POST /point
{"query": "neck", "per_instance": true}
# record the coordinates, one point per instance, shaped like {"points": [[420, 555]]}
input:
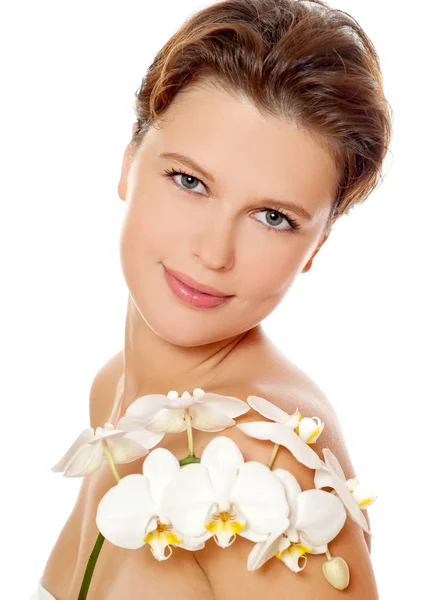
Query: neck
{"points": [[152, 365]]}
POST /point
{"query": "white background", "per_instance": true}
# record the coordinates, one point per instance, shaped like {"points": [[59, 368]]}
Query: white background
{"points": [[69, 74]]}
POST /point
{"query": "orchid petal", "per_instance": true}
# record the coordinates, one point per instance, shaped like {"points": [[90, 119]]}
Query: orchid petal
{"points": [[333, 463], [222, 458], [159, 541], [264, 551], [323, 477], [229, 405], [291, 533], [125, 511], [285, 436], [86, 460], [294, 420], [146, 438], [195, 543], [314, 549], [192, 548], [108, 432], [125, 450], [291, 555], [225, 526], [159, 468], [344, 494], [268, 409], [292, 490], [320, 516], [144, 407], [291, 485], [187, 499], [131, 424], [152, 524], [352, 483], [309, 430], [170, 421], [206, 418], [262, 430], [176, 402], [261, 498], [86, 436], [363, 496], [251, 535]]}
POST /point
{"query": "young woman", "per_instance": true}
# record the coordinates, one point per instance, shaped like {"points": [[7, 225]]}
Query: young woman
{"points": [[258, 125]]}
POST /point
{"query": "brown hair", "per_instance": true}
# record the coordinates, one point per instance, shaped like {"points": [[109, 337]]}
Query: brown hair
{"points": [[299, 59]]}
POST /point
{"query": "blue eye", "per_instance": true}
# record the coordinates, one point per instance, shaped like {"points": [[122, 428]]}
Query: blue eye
{"points": [[293, 224], [173, 173]]}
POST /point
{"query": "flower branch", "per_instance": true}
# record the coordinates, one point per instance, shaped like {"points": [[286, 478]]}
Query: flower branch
{"points": [[183, 503]]}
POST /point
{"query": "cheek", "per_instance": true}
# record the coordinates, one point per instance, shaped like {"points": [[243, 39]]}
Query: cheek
{"points": [[150, 229], [138, 243], [268, 270]]}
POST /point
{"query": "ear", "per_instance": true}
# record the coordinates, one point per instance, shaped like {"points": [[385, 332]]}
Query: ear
{"points": [[310, 260], [122, 184]]}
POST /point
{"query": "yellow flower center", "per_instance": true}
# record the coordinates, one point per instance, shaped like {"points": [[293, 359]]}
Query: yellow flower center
{"points": [[224, 522], [224, 516], [294, 550], [163, 534], [313, 435], [364, 501]]}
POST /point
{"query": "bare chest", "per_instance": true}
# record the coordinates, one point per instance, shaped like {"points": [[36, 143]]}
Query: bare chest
{"points": [[131, 574], [119, 572]]}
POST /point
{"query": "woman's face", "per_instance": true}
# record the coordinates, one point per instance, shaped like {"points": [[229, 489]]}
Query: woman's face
{"points": [[220, 229]]}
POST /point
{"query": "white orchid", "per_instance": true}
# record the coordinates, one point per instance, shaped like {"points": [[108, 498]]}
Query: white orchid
{"points": [[183, 503], [352, 494], [292, 431], [90, 449], [130, 514], [316, 517], [206, 411], [224, 496]]}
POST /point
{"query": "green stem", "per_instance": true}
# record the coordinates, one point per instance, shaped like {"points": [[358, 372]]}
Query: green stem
{"points": [[90, 567], [110, 460], [188, 460], [89, 571], [187, 418], [328, 554], [273, 455]]}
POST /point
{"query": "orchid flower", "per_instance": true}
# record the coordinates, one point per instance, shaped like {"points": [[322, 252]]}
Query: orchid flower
{"points": [[316, 517], [130, 514], [168, 414], [352, 494], [90, 449], [224, 496], [292, 431]]}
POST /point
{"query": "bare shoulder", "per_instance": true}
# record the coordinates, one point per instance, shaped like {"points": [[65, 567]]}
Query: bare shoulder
{"points": [[352, 544], [104, 390], [290, 388]]}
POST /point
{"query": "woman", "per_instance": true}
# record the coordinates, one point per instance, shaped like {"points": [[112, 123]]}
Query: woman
{"points": [[259, 124]]}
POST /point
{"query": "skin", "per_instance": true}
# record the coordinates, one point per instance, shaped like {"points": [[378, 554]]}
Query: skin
{"points": [[216, 236]]}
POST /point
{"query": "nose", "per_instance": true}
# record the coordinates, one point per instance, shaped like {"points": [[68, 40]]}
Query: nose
{"points": [[214, 243]]}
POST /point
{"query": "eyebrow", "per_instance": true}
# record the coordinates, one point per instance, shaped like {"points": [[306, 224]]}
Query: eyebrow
{"points": [[187, 160]]}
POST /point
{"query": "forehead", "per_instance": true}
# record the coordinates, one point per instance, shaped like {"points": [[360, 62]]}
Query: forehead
{"points": [[231, 139]]}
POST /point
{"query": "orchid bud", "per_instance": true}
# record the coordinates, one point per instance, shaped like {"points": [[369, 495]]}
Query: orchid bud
{"points": [[336, 572]]}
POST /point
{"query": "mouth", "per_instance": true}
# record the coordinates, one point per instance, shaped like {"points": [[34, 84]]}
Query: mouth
{"points": [[196, 286]]}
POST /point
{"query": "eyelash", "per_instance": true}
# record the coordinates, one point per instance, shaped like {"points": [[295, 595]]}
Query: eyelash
{"points": [[294, 225]]}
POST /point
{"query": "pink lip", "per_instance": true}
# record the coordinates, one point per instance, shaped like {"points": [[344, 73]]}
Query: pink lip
{"points": [[189, 296], [205, 289]]}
